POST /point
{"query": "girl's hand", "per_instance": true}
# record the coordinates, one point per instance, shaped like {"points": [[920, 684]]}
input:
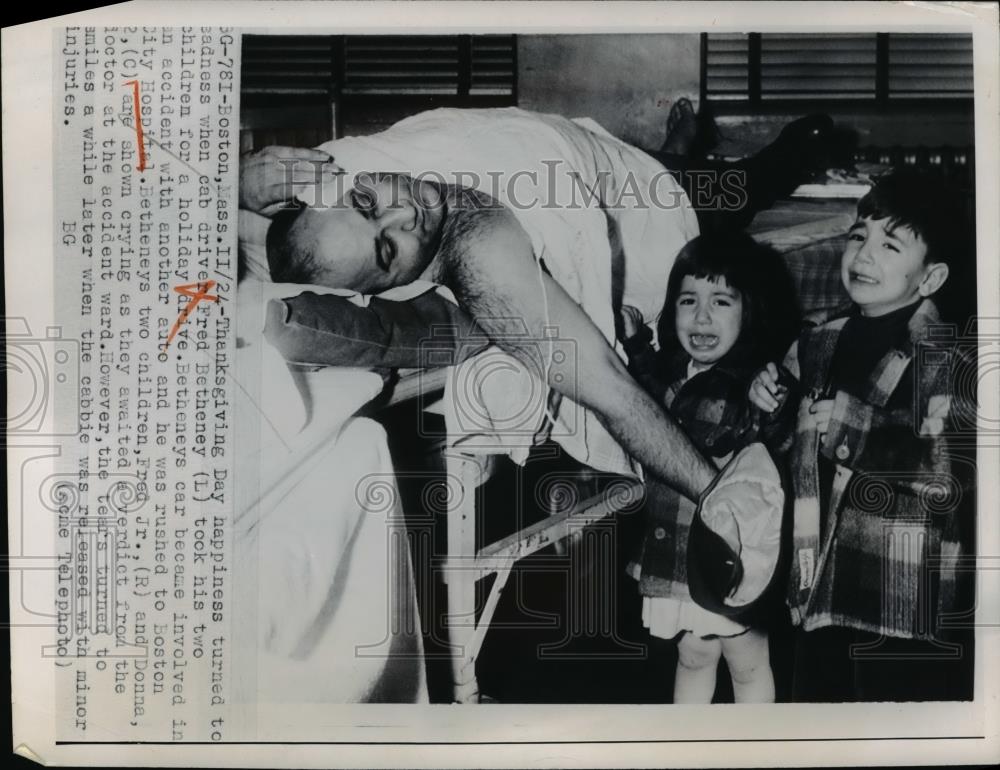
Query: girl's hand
{"points": [[274, 175], [631, 320], [765, 392], [820, 412]]}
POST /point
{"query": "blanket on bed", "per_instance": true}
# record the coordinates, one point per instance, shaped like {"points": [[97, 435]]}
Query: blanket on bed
{"points": [[584, 198]]}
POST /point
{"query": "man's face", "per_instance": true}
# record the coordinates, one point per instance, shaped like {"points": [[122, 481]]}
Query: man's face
{"points": [[883, 268], [382, 233]]}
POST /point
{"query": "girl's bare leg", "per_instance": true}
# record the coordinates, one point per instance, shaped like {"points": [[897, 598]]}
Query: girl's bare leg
{"points": [[697, 662], [749, 666]]}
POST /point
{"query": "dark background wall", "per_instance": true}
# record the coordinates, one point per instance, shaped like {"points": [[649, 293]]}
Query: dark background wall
{"points": [[627, 83]]}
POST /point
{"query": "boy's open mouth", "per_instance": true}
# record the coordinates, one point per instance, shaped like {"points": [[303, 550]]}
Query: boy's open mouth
{"points": [[862, 278]]}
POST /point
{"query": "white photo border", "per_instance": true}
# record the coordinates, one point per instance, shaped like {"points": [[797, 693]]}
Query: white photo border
{"points": [[526, 735]]}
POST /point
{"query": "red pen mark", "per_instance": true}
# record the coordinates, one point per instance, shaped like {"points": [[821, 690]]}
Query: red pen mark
{"points": [[197, 292], [138, 124]]}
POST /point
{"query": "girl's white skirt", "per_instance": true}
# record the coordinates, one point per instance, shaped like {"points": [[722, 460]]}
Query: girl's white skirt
{"points": [[666, 617]]}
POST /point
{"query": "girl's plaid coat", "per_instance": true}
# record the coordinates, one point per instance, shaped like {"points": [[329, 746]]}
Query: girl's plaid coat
{"points": [[713, 409], [889, 558]]}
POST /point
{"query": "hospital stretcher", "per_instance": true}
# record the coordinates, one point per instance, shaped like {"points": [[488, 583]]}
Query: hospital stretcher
{"points": [[467, 469]]}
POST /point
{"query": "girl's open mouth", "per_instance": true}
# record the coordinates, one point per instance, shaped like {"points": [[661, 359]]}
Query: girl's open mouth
{"points": [[704, 340]]}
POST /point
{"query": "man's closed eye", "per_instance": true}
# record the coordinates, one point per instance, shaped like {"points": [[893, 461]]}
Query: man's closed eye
{"points": [[363, 202]]}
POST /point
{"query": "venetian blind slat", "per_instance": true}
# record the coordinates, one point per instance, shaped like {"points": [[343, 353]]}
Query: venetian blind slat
{"points": [[493, 65], [726, 66], [930, 65], [817, 66], [287, 64], [840, 66]]}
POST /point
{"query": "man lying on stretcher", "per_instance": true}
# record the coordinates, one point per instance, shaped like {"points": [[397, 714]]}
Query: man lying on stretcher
{"points": [[392, 229]]}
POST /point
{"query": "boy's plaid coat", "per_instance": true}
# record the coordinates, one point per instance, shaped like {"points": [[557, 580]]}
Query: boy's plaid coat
{"points": [[713, 409], [887, 562]]}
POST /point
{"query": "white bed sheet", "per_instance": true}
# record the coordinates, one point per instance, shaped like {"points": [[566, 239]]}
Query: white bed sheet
{"points": [[326, 607]]}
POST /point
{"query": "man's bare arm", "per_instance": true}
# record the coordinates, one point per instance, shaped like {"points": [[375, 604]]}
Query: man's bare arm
{"points": [[494, 276]]}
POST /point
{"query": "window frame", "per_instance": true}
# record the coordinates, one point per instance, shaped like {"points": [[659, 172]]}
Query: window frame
{"points": [[462, 97], [882, 102]]}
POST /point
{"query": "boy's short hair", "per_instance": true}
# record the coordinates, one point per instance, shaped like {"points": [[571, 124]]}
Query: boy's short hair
{"points": [[926, 203]]}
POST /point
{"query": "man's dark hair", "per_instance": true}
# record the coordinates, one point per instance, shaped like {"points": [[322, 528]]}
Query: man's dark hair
{"points": [[290, 257], [926, 203]]}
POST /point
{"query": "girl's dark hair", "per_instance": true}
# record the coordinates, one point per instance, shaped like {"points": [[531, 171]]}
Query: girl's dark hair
{"points": [[770, 306]]}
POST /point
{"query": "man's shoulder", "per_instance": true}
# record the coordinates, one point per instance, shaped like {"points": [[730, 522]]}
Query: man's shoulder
{"points": [[479, 226]]}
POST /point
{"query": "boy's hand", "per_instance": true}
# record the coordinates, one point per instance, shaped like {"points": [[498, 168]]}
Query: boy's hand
{"points": [[631, 320], [765, 392], [820, 412]]}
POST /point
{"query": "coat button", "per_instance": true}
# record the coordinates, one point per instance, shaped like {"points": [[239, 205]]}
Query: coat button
{"points": [[843, 452], [659, 533]]}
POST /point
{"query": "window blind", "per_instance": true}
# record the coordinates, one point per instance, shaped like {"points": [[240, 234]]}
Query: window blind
{"points": [[817, 66], [454, 65], [401, 65], [287, 64], [925, 66], [726, 66], [449, 65], [494, 65], [868, 66]]}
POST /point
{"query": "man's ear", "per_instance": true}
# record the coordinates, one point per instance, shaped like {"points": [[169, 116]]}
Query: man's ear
{"points": [[935, 275]]}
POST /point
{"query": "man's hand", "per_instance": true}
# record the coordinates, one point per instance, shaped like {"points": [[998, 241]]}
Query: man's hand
{"points": [[765, 392], [274, 175], [631, 320]]}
